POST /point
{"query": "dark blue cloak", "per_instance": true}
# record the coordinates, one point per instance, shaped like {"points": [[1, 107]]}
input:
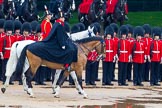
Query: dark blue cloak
{"points": [[51, 50]]}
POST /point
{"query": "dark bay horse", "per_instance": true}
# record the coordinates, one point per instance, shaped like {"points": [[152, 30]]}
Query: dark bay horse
{"points": [[27, 11], [9, 10], [84, 47], [117, 16], [94, 15]]}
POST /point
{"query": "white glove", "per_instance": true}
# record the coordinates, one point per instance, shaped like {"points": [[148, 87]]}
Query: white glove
{"points": [[114, 59], [129, 58], [148, 57], [63, 47]]}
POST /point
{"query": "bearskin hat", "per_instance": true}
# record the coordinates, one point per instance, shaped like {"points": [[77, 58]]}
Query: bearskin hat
{"points": [[130, 28], [47, 12], [156, 31], [75, 28], [109, 30], [115, 27], [60, 13], [26, 26], [8, 25], [67, 27], [81, 26], [138, 31], [34, 25], [38, 28], [2, 21], [17, 25], [147, 28], [123, 30]]}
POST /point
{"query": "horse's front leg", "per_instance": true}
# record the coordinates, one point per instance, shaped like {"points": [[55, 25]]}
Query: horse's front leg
{"points": [[57, 90], [56, 77], [78, 87]]}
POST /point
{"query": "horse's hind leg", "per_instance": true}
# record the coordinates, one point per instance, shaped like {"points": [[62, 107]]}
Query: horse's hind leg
{"points": [[56, 77], [29, 77]]}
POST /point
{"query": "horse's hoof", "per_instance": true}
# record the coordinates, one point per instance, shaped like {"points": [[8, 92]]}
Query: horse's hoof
{"points": [[31, 96], [56, 96], [3, 90], [54, 93], [85, 96]]}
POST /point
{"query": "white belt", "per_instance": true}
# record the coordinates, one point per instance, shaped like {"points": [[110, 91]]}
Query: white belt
{"points": [[138, 51], [156, 51], [109, 50], [7, 48], [124, 51]]}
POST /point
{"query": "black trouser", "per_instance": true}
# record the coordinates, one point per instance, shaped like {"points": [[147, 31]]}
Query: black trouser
{"points": [[113, 71], [107, 72], [96, 70], [122, 70], [160, 72], [129, 71], [90, 72], [154, 76], [137, 73], [48, 75], [145, 76]]}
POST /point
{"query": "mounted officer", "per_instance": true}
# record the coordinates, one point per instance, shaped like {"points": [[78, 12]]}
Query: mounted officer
{"points": [[57, 44]]}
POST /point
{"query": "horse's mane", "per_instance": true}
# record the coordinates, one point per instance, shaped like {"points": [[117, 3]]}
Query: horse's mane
{"points": [[89, 39]]}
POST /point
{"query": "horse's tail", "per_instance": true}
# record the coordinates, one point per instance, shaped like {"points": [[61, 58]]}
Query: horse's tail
{"points": [[12, 60], [20, 63]]}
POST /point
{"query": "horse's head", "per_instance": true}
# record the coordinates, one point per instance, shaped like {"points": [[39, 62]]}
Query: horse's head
{"points": [[91, 31]]}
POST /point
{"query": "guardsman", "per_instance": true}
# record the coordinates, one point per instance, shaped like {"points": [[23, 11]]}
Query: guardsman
{"points": [[138, 56], [148, 41], [34, 30], [91, 64], [84, 9], [9, 39], [46, 25], [40, 74], [123, 54], [26, 31], [17, 30], [109, 58], [2, 34], [116, 39], [131, 40], [155, 56]]}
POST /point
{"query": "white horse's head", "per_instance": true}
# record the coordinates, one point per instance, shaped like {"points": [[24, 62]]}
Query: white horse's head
{"points": [[91, 31]]}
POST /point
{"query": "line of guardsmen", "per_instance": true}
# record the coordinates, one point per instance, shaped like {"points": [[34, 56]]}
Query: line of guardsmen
{"points": [[138, 49]]}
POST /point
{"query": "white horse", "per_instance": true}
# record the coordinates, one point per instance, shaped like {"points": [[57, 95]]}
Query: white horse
{"points": [[16, 50]]}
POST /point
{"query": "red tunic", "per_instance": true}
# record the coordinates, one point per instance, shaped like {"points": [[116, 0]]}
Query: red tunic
{"points": [[85, 6], [9, 40], [92, 56], [110, 50], [110, 6], [123, 50], [156, 51], [139, 51], [46, 27], [148, 42]]}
